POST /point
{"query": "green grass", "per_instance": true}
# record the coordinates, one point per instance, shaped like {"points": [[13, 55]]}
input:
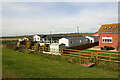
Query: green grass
{"points": [[11, 38], [23, 65]]}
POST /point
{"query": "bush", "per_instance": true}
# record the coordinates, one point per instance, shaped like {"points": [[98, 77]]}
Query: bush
{"points": [[4, 42], [37, 47], [11, 46], [28, 45]]}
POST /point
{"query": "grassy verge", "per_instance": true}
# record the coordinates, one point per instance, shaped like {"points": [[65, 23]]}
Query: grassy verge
{"points": [[4, 42], [23, 65]]}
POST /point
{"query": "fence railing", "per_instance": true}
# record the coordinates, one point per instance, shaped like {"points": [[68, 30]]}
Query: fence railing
{"points": [[84, 46], [104, 56]]}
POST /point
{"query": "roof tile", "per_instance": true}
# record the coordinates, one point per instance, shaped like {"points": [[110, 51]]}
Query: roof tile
{"points": [[109, 28]]}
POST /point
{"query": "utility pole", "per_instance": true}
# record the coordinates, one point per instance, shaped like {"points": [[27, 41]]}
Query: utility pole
{"points": [[77, 29], [50, 32]]}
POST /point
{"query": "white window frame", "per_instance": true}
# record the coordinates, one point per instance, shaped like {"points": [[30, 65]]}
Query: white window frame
{"points": [[107, 40]]}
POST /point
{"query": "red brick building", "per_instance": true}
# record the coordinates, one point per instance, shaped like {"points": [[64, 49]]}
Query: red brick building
{"points": [[109, 35]]}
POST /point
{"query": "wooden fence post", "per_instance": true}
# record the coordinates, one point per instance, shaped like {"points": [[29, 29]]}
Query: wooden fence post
{"points": [[87, 61], [70, 52], [84, 60], [62, 52], [96, 55], [91, 54], [94, 60], [80, 54], [91, 60], [80, 61], [110, 57]]}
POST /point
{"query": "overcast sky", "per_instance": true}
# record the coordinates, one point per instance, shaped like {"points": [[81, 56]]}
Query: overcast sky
{"points": [[22, 18]]}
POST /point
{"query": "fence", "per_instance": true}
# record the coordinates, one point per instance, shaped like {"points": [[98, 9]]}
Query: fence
{"points": [[84, 46], [111, 57]]}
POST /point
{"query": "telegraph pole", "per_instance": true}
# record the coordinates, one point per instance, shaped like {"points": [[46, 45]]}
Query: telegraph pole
{"points": [[77, 29], [50, 32]]}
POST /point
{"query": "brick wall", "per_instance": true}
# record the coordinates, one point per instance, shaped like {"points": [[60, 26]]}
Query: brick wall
{"points": [[115, 39]]}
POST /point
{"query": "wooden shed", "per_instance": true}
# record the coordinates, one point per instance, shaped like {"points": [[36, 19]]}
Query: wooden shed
{"points": [[56, 47]]}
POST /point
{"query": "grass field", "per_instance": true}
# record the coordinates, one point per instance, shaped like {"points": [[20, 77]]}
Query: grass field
{"points": [[22, 65]]}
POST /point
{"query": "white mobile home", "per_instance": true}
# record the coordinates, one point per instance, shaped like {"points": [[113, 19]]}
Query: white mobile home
{"points": [[50, 38], [24, 39], [36, 38], [93, 39], [73, 41]]}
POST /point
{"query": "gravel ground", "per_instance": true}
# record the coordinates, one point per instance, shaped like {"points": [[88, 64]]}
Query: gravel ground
{"points": [[97, 48]]}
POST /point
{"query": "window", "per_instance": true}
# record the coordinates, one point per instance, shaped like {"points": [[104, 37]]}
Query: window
{"points": [[119, 27], [91, 41], [115, 27], [71, 42], [103, 40], [106, 39], [105, 28], [110, 27], [80, 41]]}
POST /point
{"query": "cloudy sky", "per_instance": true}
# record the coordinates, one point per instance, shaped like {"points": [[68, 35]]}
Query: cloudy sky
{"points": [[22, 18]]}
